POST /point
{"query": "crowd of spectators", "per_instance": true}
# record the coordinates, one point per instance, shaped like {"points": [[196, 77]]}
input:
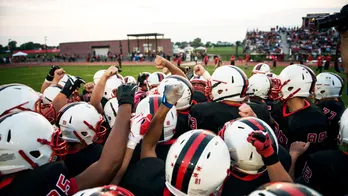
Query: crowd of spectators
{"points": [[310, 41], [263, 42]]}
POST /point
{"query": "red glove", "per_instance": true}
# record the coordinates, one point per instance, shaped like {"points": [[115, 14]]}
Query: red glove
{"points": [[145, 125], [207, 90], [263, 144]]}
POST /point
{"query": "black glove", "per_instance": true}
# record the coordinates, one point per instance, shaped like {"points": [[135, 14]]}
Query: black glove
{"points": [[71, 85], [50, 74], [119, 69], [125, 94]]}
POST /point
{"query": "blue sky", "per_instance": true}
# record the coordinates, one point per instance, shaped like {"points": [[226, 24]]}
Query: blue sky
{"points": [[180, 20]]}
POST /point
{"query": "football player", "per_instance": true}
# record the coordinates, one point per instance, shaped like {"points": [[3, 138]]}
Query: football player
{"points": [[298, 119], [261, 68], [229, 86], [328, 89], [326, 171]]}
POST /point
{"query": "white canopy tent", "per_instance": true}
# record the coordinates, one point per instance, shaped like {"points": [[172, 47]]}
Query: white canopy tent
{"points": [[201, 48], [20, 54]]}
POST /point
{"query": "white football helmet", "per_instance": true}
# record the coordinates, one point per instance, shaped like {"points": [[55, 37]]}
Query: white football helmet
{"points": [[343, 133], [244, 156], [261, 68], [328, 85], [150, 105], [186, 100], [50, 93], [111, 86], [271, 75], [197, 163], [98, 75], [229, 83], [284, 188], [155, 79], [19, 97], [198, 83], [294, 81], [110, 111], [108, 190], [27, 141], [129, 80], [259, 86], [81, 123]]}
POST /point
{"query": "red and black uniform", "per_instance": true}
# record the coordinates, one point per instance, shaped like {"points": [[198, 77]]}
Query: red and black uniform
{"points": [[333, 110], [213, 115], [308, 124], [326, 171], [50, 179], [233, 59], [241, 184], [206, 60], [81, 160]]}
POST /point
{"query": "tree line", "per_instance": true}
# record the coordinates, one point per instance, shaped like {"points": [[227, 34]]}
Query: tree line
{"points": [[25, 46], [197, 42]]}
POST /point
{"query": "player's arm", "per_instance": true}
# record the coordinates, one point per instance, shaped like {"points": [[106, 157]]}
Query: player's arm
{"points": [[263, 144], [63, 97], [103, 171], [99, 88], [134, 137], [50, 76], [172, 93], [195, 120], [200, 71], [174, 70], [296, 150]]}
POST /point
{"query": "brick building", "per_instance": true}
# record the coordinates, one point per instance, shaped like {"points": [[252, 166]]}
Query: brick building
{"points": [[119, 46]]}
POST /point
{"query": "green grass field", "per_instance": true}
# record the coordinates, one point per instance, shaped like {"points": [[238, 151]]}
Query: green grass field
{"points": [[34, 76]]}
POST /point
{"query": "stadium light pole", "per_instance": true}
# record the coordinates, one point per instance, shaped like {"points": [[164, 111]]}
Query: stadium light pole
{"points": [[46, 44]]}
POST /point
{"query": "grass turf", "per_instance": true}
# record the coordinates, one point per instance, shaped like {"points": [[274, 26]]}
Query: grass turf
{"points": [[34, 76]]}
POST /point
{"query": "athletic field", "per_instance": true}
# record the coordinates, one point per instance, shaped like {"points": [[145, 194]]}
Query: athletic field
{"points": [[34, 75]]}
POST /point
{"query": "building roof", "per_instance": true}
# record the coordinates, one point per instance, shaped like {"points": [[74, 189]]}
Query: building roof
{"points": [[145, 34]]}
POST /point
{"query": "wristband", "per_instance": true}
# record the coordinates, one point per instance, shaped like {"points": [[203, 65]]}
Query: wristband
{"points": [[165, 103], [47, 81], [206, 75], [131, 144], [273, 159]]}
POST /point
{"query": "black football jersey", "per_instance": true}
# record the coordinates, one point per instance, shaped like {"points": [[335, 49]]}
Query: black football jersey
{"points": [[308, 124], [78, 162], [326, 171], [333, 110], [182, 125], [199, 97], [213, 115], [50, 179]]}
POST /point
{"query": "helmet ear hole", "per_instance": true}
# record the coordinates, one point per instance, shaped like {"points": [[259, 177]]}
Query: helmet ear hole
{"points": [[208, 155], [290, 88], [35, 153], [84, 133], [220, 91], [322, 92]]}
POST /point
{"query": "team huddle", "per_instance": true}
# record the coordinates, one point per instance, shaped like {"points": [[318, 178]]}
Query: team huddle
{"points": [[166, 134]]}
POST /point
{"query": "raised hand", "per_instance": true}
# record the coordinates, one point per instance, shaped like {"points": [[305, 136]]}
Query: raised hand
{"points": [[139, 127], [263, 144], [172, 93]]}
